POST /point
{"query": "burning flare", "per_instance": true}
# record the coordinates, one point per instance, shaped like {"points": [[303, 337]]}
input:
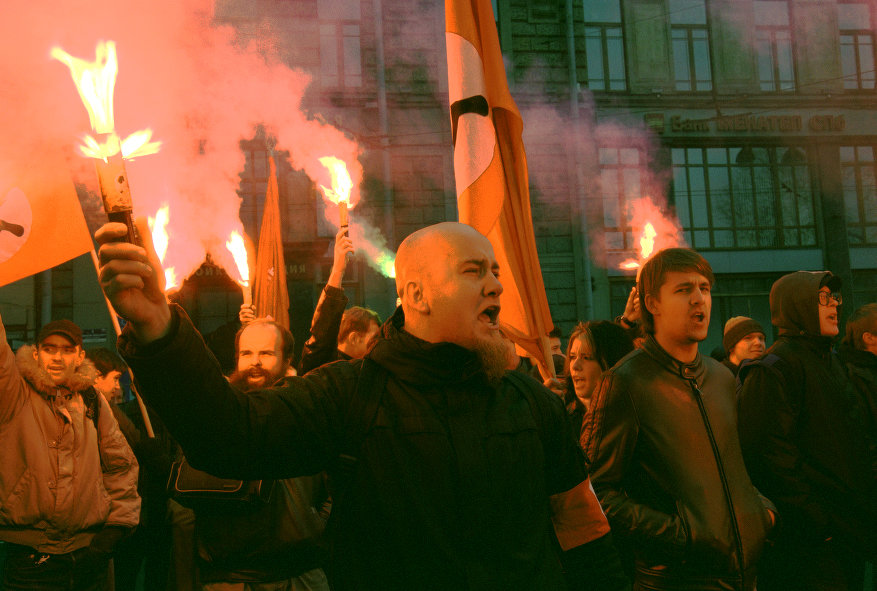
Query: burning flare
{"points": [[96, 82], [238, 249], [646, 245], [161, 240], [341, 183]]}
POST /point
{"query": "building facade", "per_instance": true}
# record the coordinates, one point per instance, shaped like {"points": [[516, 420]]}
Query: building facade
{"points": [[749, 122]]}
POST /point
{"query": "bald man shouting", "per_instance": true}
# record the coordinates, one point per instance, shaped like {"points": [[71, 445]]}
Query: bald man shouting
{"points": [[449, 472]]}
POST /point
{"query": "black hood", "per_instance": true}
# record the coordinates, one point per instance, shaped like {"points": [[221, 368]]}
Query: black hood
{"points": [[414, 360], [794, 305]]}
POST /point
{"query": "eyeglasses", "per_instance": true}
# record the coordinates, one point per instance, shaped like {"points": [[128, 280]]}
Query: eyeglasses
{"points": [[826, 297]]}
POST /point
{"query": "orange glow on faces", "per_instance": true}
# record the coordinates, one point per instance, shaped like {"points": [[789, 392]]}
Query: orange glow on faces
{"points": [[96, 82]]}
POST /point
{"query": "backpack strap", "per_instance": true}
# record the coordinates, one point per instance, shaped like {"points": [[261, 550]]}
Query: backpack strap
{"points": [[92, 406]]}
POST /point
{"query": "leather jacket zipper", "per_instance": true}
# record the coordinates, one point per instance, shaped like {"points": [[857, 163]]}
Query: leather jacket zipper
{"points": [[698, 395]]}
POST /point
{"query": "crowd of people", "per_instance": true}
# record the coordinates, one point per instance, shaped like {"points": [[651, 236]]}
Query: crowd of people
{"points": [[421, 453]]}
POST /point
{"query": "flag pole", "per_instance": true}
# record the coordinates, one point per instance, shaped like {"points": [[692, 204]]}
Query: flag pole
{"points": [[115, 320]]}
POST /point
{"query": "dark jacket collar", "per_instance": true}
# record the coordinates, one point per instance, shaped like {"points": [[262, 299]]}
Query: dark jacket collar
{"points": [[687, 371], [414, 360]]}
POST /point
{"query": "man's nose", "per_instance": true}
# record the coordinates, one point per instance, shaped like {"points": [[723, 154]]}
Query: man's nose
{"points": [[493, 287], [697, 296]]}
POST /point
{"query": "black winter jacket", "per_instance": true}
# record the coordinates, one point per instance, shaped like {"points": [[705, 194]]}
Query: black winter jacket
{"points": [[803, 429], [322, 346], [456, 487], [661, 437]]}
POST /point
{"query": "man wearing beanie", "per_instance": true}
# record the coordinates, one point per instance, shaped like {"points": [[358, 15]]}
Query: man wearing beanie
{"points": [[68, 480], [743, 339], [807, 444]]}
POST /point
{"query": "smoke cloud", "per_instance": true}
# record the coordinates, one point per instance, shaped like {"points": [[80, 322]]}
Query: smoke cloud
{"points": [[195, 84]]}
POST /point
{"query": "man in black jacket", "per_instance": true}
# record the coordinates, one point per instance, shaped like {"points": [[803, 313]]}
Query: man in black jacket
{"points": [[337, 333], [467, 476], [260, 548], [662, 440], [803, 428], [858, 352]]}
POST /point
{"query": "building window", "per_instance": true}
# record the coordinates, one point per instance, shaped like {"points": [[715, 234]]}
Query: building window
{"points": [[604, 45], [856, 46], [691, 52], [773, 38], [340, 48], [254, 185], [744, 197], [860, 197], [621, 183]]}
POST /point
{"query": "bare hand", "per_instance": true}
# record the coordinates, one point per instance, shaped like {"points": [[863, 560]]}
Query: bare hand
{"points": [[343, 246], [631, 309], [132, 278], [247, 314]]}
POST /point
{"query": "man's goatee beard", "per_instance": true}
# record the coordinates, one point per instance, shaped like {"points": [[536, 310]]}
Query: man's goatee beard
{"points": [[493, 355]]}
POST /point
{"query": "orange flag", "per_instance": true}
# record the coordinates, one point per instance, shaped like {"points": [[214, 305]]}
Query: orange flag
{"points": [[270, 294], [490, 166], [41, 221]]}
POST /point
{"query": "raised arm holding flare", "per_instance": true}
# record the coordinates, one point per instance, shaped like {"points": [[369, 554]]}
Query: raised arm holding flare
{"points": [[462, 468]]}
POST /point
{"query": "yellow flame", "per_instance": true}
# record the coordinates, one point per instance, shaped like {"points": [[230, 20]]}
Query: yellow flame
{"points": [[647, 242], [160, 240], [341, 183], [95, 82], [238, 249], [170, 279]]}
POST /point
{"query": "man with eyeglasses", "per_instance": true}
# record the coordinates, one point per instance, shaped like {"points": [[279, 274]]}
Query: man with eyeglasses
{"points": [[807, 445], [68, 480]]}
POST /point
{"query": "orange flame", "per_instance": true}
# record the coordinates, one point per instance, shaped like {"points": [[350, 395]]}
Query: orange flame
{"points": [[341, 183], [658, 232], [96, 82], [238, 249], [160, 241]]}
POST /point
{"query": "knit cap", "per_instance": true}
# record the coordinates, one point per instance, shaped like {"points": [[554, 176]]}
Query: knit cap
{"points": [[738, 327]]}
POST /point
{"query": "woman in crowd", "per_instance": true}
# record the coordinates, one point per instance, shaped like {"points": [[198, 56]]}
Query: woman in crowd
{"points": [[594, 347]]}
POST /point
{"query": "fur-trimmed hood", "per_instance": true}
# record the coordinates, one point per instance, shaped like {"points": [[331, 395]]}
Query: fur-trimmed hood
{"points": [[42, 382]]}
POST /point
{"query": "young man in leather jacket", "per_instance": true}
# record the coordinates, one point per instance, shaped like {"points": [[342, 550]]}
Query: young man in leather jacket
{"points": [[662, 440]]}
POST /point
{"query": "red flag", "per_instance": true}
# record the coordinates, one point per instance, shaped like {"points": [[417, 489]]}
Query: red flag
{"points": [[270, 294], [490, 166], [41, 221]]}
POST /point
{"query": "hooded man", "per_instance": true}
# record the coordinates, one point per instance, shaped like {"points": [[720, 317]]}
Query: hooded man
{"points": [[68, 480], [803, 428], [466, 476], [662, 440]]}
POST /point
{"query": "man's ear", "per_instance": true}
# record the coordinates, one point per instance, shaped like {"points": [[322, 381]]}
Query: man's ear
{"points": [[652, 304], [414, 297], [36, 354], [870, 339]]}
